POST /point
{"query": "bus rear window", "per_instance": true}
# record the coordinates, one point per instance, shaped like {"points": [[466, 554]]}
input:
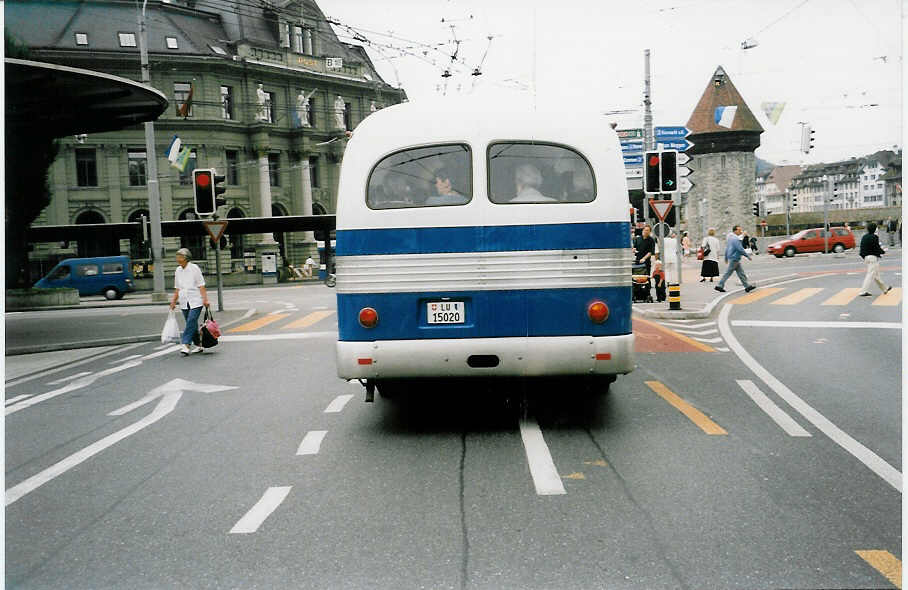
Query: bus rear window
{"points": [[432, 176], [524, 172]]}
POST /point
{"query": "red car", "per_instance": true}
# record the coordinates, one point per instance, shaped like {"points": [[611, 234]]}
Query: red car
{"points": [[812, 240]]}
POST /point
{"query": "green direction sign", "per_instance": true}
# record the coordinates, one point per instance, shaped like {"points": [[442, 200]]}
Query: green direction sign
{"points": [[630, 133]]}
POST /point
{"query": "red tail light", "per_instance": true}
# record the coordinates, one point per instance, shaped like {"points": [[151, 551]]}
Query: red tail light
{"points": [[598, 312], [368, 317]]}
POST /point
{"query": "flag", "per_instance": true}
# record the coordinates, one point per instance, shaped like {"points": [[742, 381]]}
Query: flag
{"points": [[174, 150], [773, 110], [183, 111], [725, 116], [182, 160]]}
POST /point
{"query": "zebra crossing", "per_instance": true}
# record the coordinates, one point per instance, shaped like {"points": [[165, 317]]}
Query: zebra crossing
{"points": [[282, 320], [819, 295]]}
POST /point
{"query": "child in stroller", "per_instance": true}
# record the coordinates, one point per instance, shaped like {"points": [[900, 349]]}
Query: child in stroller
{"points": [[641, 289]]}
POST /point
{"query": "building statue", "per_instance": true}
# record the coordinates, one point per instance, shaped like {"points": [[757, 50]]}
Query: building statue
{"points": [[302, 108], [339, 110], [372, 107], [262, 112]]}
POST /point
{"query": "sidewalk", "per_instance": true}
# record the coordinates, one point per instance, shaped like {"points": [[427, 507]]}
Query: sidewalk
{"points": [[697, 299]]}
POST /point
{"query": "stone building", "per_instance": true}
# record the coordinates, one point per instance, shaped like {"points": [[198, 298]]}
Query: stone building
{"points": [[725, 134], [263, 92]]}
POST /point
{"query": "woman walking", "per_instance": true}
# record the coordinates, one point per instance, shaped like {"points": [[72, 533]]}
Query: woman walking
{"points": [[710, 268], [189, 291]]}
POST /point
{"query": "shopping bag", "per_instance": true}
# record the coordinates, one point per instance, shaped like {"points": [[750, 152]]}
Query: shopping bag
{"points": [[700, 253], [210, 332], [171, 330]]}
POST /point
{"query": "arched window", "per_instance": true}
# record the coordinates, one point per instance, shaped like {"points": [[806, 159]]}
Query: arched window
{"points": [[100, 244], [196, 244], [236, 240]]}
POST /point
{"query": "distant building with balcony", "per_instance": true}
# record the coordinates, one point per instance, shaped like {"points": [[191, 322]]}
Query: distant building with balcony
{"points": [[239, 76]]}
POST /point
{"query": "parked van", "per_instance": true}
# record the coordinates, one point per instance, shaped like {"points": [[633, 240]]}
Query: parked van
{"points": [[110, 276]]}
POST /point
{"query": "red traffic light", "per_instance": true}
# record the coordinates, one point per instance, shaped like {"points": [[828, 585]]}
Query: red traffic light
{"points": [[654, 159], [203, 179]]}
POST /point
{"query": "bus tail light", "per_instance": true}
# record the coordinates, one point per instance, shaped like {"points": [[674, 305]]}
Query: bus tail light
{"points": [[368, 317], [598, 312]]}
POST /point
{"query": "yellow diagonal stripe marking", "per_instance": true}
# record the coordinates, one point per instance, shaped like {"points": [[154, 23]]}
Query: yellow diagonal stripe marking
{"points": [[893, 297], [756, 295], [259, 323], [843, 297], [695, 415], [886, 563], [679, 336], [308, 320], [798, 296]]}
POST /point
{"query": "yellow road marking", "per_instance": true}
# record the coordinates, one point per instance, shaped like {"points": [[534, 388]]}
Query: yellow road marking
{"points": [[597, 463], [308, 320], [885, 563], [682, 337], [893, 297], [798, 296], [843, 297], [695, 415], [259, 323], [756, 295], [575, 475]]}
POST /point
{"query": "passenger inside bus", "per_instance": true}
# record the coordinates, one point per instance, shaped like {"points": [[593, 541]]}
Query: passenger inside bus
{"points": [[446, 194], [527, 181]]}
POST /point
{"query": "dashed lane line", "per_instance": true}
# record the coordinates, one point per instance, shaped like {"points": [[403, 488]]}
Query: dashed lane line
{"points": [[874, 462], [338, 404], [693, 414], [777, 414], [884, 562], [268, 503], [546, 479], [69, 378], [311, 443]]}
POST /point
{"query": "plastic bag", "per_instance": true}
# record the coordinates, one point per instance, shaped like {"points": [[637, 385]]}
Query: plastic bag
{"points": [[171, 331]]}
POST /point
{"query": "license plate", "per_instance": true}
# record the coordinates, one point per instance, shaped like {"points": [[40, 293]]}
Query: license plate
{"points": [[445, 312]]}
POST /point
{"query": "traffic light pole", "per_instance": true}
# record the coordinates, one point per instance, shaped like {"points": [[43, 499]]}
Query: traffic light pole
{"points": [[154, 195], [217, 269]]}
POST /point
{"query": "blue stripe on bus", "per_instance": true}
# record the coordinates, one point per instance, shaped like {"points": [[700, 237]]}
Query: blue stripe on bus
{"points": [[501, 238], [489, 314]]}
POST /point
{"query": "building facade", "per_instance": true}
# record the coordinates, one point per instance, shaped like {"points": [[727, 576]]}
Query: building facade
{"points": [[263, 92]]}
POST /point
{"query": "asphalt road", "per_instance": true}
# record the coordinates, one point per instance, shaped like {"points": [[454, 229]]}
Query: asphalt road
{"points": [[260, 469]]}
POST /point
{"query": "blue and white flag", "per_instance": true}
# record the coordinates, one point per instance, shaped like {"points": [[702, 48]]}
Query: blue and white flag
{"points": [[174, 150], [182, 159], [725, 116]]}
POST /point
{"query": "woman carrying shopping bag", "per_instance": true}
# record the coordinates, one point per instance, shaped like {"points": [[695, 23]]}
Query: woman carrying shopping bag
{"points": [[710, 267], [189, 291]]}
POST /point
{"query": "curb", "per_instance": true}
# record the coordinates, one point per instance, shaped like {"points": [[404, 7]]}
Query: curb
{"points": [[54, 347]]}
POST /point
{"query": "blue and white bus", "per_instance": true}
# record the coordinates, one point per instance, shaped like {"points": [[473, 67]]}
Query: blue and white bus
{"points": [[482, 244]]}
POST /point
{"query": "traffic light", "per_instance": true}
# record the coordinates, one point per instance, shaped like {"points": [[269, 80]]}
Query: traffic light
{"points": [[205, 191], [794, 200], [807, 138], [756, 209], [669, 170], [652, 177]]}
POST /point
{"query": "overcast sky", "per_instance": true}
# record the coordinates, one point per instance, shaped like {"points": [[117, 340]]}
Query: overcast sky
{"points": [[828, 60]]}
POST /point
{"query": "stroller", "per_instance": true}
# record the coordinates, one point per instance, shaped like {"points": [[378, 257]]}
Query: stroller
{"points": [[641, 291]]}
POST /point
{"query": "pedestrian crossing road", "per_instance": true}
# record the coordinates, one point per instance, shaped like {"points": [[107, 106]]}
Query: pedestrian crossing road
{"points": [[816, 295]]}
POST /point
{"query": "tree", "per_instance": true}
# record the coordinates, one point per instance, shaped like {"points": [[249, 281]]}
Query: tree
{"points": [[28, 158]]}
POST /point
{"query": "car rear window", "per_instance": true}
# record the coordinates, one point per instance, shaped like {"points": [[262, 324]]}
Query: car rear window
{"points": [[112, 268]]}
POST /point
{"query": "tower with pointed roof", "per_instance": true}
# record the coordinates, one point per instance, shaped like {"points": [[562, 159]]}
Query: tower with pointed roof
{"points": [[725, 134]]}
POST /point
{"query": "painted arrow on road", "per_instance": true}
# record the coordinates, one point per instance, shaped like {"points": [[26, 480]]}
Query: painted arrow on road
{"points": [[170, 394]]}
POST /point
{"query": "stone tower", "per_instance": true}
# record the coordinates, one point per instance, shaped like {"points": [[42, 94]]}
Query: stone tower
{"points": [[725, 134]]}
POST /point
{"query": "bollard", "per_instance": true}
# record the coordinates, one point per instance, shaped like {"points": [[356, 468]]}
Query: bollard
{"points": [[674, 296]]}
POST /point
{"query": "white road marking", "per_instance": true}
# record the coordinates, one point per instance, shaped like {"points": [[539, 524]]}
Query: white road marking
{"points": [[13, 400], [266, 337], [163, 346], [268, 503], [70, 378], [778, 415], [873, 461], [782, 324], [69, 366], [708, 340], [338, 404], [698, 332], [721, 349], [542, 467], [77, 384], [124, 359], [693, 326], [312, 442]]}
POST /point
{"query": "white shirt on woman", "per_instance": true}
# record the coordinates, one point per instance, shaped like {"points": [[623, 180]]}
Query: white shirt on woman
{"points": [[714, 245], [188, 280]]}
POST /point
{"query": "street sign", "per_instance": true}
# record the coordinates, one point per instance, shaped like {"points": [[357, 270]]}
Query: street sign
{"points": [[632, 148], [630, 134], [683, 170], [633, 159], [683, 158], [684, 185], [674, 144], [661, 208], [670, 132], [633, 172], [662, 230], [215, 229]]}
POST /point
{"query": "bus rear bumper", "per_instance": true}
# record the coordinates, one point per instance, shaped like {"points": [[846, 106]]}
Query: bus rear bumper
{"points": [[493, 357]]}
